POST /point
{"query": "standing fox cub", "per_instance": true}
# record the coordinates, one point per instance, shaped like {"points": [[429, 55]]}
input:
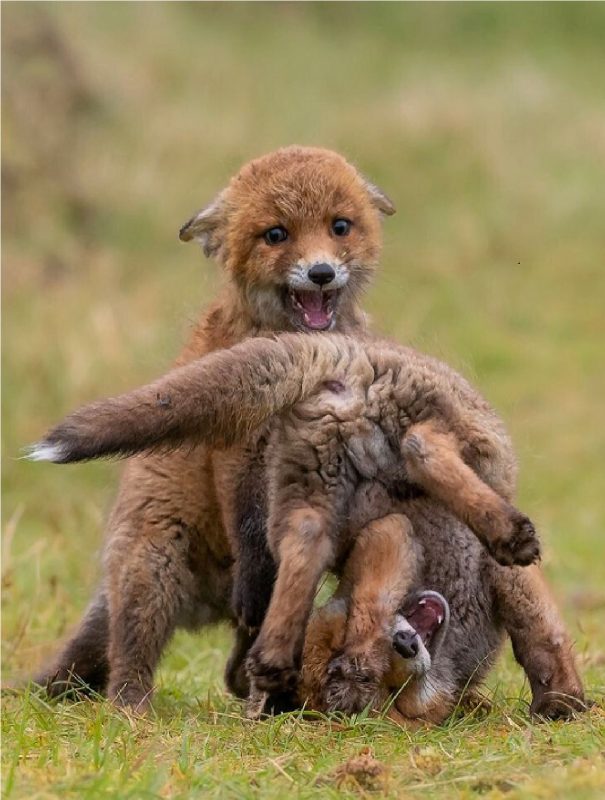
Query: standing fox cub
{"points": [[298, 234], [365, 442]]}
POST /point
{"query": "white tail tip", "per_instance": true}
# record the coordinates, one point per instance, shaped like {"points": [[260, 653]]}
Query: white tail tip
{"points": [[46, 452]]}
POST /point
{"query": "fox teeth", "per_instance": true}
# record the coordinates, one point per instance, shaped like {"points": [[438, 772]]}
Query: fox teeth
{"points": [[422, 602], [439, 619], [295, 300]]}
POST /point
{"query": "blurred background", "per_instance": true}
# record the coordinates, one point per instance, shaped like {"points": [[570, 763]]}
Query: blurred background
{"points": [[484, 122]]}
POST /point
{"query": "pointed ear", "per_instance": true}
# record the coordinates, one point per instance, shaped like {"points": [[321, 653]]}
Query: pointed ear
{"points": [[204, 226], [379, 199]]}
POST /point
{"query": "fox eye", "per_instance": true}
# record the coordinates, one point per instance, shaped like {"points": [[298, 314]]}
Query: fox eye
{"points": [[341, 226], [275, 235]]}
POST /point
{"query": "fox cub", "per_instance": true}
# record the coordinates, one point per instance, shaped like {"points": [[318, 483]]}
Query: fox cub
{"points": [[359, 436]]}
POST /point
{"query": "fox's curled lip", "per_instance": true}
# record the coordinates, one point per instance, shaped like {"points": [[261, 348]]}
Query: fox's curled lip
{"points": [[311, 310]]}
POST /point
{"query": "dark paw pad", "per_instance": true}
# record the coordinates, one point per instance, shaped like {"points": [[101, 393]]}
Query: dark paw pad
{"points": [[521, 548], [351, 685]]}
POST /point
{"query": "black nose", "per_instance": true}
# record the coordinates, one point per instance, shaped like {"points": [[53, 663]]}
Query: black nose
{"points": [[321, 273], [406, 643]]}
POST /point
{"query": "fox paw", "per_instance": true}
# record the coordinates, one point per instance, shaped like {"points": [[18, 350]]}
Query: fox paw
{"points": [[554, 705], [271, 677], [352, 685], [558, 699], [130, 696], [521, 547], [262, 704]]}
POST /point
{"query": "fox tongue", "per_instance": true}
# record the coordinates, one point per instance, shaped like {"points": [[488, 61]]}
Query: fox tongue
{"points": [[426, 617], [315, 313]]}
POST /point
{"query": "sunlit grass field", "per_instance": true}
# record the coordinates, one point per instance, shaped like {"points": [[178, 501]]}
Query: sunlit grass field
{"points": [[486, 125]]}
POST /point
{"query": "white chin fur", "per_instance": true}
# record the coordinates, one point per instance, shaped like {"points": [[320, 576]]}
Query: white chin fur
{"points": [[46, 452]]}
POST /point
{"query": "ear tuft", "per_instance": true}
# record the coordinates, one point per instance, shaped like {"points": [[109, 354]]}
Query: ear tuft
{"points": [[204, 226], [379, 199]]}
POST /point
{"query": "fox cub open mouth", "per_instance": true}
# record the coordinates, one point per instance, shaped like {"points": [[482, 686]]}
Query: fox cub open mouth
{"points": [[419, 630]]}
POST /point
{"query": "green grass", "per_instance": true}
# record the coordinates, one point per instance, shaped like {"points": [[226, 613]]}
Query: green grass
{"points": [[486, 124]]}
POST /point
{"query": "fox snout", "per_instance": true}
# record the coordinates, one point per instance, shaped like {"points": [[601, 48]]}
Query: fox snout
{"points": [[325, 274], [406, 643]]}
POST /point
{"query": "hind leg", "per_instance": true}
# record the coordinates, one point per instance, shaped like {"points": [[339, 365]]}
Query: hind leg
{"points": [[254, 574], [82, 666], [236, 677], [540, 641], [149, 594], [382, 568], [255, 568], [254, 577]]}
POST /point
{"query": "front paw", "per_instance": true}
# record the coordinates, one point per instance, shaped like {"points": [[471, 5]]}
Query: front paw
{"points": [[271, 675], [557, 699], [556, 705], [521, 547], [352, 684]]}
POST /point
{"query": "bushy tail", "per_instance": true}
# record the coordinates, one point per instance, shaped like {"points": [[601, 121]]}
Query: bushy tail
{"points": [[218, 399]]}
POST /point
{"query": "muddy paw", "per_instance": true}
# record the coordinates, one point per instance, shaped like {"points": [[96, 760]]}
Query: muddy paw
{"points": [[351, 685], [521, 547]]}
